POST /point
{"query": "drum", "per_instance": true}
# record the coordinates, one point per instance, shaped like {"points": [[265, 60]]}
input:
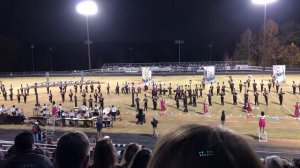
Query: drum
{"points": [[118, 112], [95, 113], [106, 110]]}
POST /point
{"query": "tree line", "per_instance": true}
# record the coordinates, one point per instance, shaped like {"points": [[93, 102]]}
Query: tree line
{"points": [[274, 45]]}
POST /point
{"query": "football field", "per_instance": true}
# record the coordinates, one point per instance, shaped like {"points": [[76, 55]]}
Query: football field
{"points": [[282, 127]]}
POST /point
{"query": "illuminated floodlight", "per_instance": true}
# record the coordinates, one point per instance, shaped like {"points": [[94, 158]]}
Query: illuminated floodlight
{"points": [[87, 8], [263, 2]]}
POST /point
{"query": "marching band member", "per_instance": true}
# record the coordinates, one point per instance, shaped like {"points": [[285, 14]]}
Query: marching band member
{"points": [[63, 116], [13, 110], [3, 109], [60, 110], [18, 112], [45, 107], [266, 96], [297, 108], [280, 94], [294, 87], [205, 107], [71, 95], [249, 109], [72, 115], [113, 112], [45, 110], [256, 94], [83, 108], [261, 86]]}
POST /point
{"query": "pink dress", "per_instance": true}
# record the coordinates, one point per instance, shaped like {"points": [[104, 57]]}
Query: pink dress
{"points": [[205, 107], [249, 107], [296, 112], [54, 110], [262, 121], [163, 107]]}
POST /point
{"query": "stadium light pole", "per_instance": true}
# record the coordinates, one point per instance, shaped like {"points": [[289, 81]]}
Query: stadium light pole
{"points": [[87, 8], [264, 2], [179, 42], [130, 53], [32, 58], [50, 50], [210, 51]]}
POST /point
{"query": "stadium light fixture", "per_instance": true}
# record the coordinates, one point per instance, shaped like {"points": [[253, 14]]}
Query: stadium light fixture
{"points": [[32, 57], [87, 8], [263, 2]]}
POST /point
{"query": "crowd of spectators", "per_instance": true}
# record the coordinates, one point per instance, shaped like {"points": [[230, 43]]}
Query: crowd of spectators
{"points": [[187, 146]]}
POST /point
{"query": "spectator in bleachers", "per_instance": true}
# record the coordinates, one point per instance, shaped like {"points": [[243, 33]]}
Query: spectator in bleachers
{"points": [[104, 154], [276, 162], [203, 146], [99, 126], [24, 155], [73, 150], [120, 156], [296, 163], [141, 159], [36, 131], [129, 153]]}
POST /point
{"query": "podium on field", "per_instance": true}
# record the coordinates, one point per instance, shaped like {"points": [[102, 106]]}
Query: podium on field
{"points": [[262, 136]]}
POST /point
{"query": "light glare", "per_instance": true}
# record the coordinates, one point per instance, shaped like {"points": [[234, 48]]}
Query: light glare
{"points": [[263, 2], [87, 8]]}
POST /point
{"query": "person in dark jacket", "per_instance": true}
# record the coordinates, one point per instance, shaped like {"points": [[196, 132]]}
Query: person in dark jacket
{"points": [[24, 155], [154, 123], [223, 118]]}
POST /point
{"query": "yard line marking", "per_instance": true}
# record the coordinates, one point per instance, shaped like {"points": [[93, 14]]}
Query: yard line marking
{"points": [[282, 105], [241, 100]]}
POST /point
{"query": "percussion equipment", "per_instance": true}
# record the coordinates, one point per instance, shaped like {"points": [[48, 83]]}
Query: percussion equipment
{"points": [[106, 110]]}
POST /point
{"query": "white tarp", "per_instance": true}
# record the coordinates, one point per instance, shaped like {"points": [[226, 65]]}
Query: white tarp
{"points": [[146, 74], [279, 73], [209, 74]]}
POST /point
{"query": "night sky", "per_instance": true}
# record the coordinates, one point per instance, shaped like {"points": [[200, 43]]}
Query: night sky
{"points": [[142, 29]]}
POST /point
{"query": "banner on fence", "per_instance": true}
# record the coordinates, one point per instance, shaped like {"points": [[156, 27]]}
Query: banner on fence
{"points": [[209, 74], [146, 74], [279, 73]]}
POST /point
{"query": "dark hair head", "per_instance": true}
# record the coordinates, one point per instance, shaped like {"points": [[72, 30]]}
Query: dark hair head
{"points": [[24, 141], [273, 162], [72, 149], [223, 112], [141, 159], [129, 153], [262, 113], [104, 155], [193, 145]]}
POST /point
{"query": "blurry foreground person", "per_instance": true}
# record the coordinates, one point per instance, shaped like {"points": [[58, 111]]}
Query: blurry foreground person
{"points": [[25, 156], [73, 150], [129, 153], [104, 156], [141, 159], [193, 145]]}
